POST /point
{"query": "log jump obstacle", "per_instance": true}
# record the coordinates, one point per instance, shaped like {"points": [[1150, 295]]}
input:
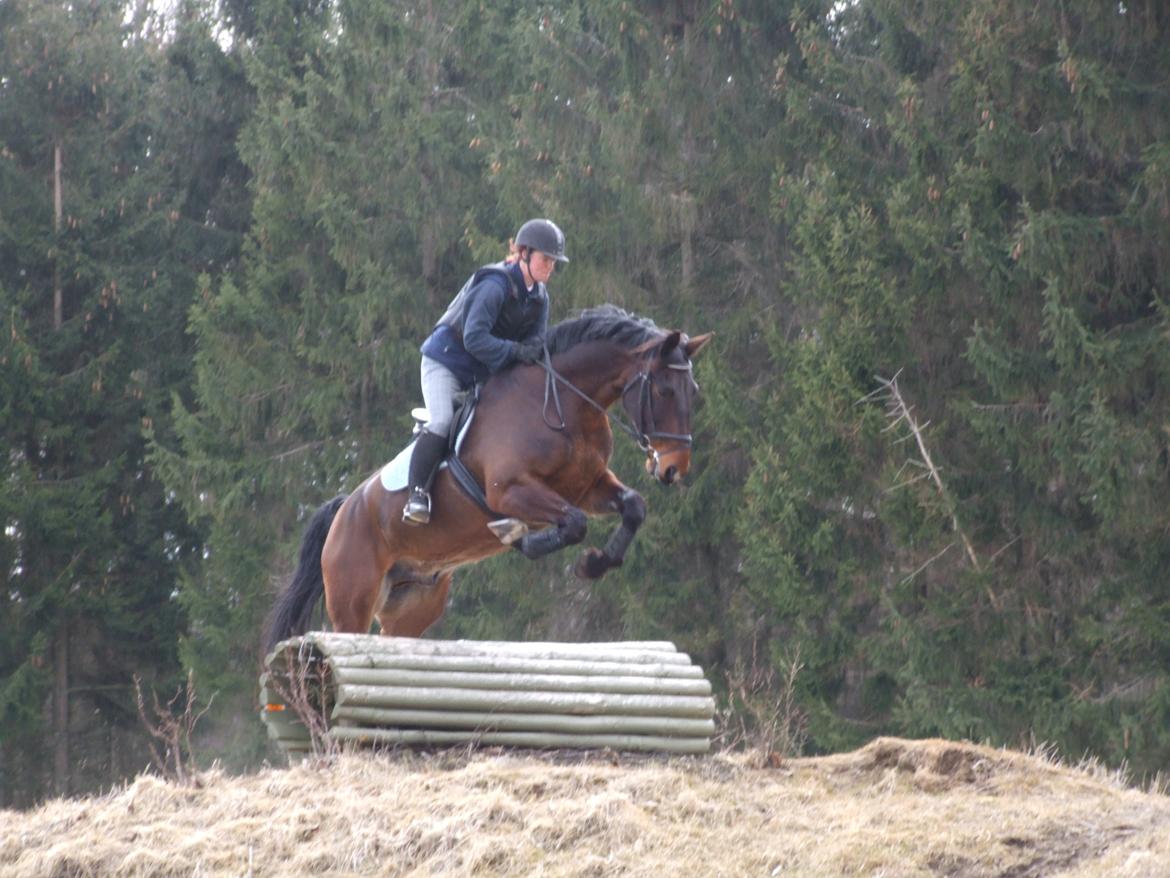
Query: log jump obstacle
{"points": [[628, 695]]}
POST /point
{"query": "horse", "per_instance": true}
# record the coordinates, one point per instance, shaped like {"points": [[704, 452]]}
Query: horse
{"points": [[539, 447]]}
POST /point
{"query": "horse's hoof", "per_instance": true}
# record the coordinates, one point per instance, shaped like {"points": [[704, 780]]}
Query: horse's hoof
{"points": [[591, 564], [508, 530]]}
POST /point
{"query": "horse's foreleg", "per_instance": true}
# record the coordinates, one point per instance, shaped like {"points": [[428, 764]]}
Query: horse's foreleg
{"points": [[535, 503], [612, 496], [568, 531]]}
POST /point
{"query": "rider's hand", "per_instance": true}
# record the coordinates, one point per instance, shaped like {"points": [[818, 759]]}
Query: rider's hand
{"points": [[531, 351]]}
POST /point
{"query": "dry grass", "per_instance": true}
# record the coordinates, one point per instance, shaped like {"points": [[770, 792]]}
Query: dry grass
{"points": [[893, 808]]}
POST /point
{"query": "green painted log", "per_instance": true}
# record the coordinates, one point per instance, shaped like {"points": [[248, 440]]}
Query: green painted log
{"points": [[283, 732], [281, 721], [502, 664], [521, 682], [356, 644], [542, 740], [524, 722], [626, 695], [583, 703], [337, 644]]}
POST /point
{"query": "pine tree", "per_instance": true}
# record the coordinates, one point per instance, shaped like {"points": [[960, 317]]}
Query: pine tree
{"points": [[646, 127], [370, 210], [968, 197], [978, 218], [98, 245]]}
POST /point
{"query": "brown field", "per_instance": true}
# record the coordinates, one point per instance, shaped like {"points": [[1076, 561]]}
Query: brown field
{"points": [[894, 808]]}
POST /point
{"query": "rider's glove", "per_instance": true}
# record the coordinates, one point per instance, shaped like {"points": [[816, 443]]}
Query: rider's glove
{"points": [[531, 351]]}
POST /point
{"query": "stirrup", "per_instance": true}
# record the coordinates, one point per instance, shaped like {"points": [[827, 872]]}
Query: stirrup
{"points": [[418, 507]]}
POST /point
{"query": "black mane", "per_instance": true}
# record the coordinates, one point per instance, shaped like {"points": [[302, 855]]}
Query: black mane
{"points": [[603, 323]]}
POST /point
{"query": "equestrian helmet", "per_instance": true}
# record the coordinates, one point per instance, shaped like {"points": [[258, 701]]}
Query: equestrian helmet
{"points": [[545, 236]]}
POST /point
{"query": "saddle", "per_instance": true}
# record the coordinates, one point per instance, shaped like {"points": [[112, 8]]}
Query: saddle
{"points": [[465, 403], [394, 474]]}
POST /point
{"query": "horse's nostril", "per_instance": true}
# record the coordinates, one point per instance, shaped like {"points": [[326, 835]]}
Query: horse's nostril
{"points": [[670, 475]]}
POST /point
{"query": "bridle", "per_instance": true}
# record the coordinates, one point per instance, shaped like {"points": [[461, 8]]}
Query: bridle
{"points": [[643, 380]]}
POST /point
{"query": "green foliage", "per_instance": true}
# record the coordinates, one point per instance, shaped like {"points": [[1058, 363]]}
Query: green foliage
{"points": [[845, 193], [265, 212], [93, 346], [1006, 273]]}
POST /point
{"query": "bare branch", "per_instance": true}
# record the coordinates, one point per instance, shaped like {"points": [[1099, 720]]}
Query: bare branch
{"points": [[170, 730], [762, 714], [898, 411], [907, 483], [927, 563], [1004, 548], [300, 448]]}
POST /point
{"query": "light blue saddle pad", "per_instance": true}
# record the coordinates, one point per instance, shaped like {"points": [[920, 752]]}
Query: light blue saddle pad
{"points": [[396, 473]]}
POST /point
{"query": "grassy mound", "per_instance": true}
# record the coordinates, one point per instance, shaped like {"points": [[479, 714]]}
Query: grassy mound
{"points": [[893, 808]]}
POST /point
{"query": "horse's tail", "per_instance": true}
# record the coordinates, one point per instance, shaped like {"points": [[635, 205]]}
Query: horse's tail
{"points": [[294, 606]]}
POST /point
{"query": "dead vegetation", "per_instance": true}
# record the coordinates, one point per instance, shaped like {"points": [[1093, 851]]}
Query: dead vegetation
{"points": [[762, 716], [170, 729], [894, 808]]}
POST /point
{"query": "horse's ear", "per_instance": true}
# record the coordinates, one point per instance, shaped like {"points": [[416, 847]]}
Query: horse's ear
{"points": [[670, 343], [696, 344]]}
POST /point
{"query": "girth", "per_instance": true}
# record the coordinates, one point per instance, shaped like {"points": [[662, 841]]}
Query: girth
{"points": [[460, 423]]}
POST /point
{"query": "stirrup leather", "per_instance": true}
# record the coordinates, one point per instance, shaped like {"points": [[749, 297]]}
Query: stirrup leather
{"points": [[418, 507]]}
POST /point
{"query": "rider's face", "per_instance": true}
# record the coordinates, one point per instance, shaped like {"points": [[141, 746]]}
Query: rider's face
{"points": [[541, 266]]}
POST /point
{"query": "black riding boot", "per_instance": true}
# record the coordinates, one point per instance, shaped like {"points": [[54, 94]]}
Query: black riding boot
{"points": [[428, 453]]}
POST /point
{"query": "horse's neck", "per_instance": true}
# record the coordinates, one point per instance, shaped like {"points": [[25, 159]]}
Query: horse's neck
{"points": [[597, 369]]}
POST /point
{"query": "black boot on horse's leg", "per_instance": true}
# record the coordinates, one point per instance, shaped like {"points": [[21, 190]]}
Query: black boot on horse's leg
{"points": [[428, 453], [594, 562], [568, 532]]}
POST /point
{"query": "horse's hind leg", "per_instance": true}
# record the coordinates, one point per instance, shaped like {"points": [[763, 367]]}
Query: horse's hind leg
{"points": [[351, 597], [414, 606], [352, 570]]}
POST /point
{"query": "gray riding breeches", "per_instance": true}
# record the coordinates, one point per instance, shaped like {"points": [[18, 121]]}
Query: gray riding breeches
{"points": [[439, 387]]}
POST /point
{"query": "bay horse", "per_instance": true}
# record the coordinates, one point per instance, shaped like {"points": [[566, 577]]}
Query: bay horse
{"points": [[539, 446]]}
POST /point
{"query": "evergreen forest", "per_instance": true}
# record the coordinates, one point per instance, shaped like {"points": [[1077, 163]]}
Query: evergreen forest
{"points": [[930, 493]]}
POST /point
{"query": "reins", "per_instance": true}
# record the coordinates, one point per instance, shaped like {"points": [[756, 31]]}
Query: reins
{"points": [[645, 381]]}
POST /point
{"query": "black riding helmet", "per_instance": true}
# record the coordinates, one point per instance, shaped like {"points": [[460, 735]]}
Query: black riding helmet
{"points": [[545, 236]]}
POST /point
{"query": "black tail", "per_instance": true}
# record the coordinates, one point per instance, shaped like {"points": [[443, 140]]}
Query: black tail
{"points": [[294, 607]]}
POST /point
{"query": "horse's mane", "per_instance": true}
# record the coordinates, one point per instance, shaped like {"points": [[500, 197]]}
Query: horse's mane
{"points": [[603, 323]]}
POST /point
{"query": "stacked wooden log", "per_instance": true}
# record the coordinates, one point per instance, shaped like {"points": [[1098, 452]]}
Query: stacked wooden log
{"points": [[402, 691]]}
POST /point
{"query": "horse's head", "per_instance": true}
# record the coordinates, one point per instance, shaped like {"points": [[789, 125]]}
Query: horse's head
{"points": [[658, 400]]}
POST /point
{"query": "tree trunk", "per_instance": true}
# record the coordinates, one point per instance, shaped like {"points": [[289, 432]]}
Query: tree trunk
{"points": [[61, 644], [58, 297], [61, 711]]}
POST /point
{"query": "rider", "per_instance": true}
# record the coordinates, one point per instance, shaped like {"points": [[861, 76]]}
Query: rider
{"points": [[498, 318]]}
